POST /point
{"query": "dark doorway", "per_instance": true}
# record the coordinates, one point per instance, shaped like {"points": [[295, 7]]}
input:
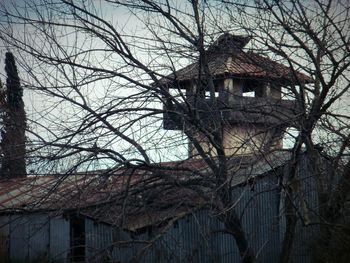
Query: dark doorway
{"points": [[77, 230]]}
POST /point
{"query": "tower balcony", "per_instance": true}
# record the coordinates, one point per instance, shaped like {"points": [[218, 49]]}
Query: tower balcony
{"points": [[232, 110]]}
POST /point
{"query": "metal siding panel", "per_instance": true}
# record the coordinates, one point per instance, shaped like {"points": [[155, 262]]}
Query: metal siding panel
{"points": [[190, 228], [282, 219], [305, 235], [89, 239], [121, 252], [138, 246], [228, 250], [59, 239], [174, 244], [258, 204], [202, 239], [98, 241], [177, 243], [269, 215], [38, 245], [106, 232], [29, 237], [4, 239], [192, 239], [19, 237]]}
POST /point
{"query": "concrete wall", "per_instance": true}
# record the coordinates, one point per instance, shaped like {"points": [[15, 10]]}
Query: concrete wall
{"points": [[240, 140]]}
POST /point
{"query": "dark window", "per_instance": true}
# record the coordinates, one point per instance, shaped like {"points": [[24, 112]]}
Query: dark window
{"points": [[248, 89], [77, 225], [252, 88]]}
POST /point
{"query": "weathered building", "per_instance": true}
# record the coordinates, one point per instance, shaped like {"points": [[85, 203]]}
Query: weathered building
{"points": [[86, 217], [146, 213]]}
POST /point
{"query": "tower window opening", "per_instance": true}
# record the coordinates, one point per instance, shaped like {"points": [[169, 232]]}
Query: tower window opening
{"points": [[252, 88], [249, 94], [207, 94]]}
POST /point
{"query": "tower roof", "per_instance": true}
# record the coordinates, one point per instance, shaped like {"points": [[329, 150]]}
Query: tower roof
{"points": [[226, 57]]}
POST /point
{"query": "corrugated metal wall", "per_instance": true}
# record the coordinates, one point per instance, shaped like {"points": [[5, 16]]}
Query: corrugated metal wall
{"points": [[193, 238], [98, 241], [29, 237], [305, 235], [198, 237], [59, 239], [4, 239], [34, 237]]}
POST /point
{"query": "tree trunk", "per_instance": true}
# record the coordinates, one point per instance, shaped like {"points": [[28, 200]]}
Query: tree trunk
{"points": [[233, 226], [291, 221]]}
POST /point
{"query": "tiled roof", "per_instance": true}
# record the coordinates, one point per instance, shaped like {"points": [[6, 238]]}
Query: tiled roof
{"points": [[227, 58], [157, 192]]}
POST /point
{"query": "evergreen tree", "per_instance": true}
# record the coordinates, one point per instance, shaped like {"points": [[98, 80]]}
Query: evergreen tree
{"points": [[14, 124]]}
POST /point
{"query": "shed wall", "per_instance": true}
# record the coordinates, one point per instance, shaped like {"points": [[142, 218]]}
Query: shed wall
{"points": [[4, 239], [59, 239], [197, 237], [34, 238]]}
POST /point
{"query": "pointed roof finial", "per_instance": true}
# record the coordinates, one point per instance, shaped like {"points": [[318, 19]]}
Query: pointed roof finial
{"points": [[228, 42]]}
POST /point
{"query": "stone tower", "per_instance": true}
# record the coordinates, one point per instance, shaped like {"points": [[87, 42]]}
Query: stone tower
{"points": [[248, 98]]}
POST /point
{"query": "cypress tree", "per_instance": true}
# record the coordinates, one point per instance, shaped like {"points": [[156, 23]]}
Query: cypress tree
{"points": [[14, 124]]}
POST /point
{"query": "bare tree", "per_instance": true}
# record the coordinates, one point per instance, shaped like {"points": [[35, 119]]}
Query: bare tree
{"points": [[107, 85], [312, 36]]}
